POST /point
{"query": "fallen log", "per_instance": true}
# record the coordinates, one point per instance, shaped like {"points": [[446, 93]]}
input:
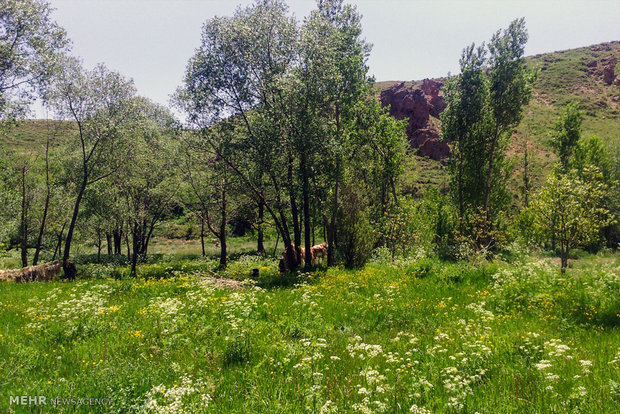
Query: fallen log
{"points": [[44, 273]]}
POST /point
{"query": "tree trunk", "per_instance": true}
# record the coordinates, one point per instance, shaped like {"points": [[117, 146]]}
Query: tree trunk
{"points": [[260, 248], [70, 270], [306, 209], [23, 225], [37, 250], [59, 244], [294, 211], [137, 238], [553, 223], [331, 227], [99, 244], [563, 260], [146, 240], [118, 241], [108, 238], [128, 247], [223, 227], [202, 236]]}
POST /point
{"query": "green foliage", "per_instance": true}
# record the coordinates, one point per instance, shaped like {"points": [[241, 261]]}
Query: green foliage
{"points": [[356, 236], [397, 228], [485, 103], [566, 134], [303, 123], [30, 45], [592, 151], [571, 210]]}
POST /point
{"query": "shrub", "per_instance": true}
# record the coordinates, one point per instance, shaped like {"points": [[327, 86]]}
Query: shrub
{"points": [[356, 236], [237, 351]]}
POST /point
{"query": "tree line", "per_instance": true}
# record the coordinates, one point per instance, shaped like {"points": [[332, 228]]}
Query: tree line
{"points": [[283, 128]]}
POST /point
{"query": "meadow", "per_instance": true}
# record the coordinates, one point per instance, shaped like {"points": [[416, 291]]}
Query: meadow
{"points": [[412, 335]]}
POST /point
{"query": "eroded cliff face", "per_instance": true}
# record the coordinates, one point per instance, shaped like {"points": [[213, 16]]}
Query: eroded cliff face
{"points": [[422, 105]]}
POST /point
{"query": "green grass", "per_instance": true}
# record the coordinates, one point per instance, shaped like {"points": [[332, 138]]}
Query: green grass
{"points": [[30, 135], [450, 337]]}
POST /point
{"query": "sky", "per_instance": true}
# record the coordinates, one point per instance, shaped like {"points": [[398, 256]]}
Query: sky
{"points": [[151, 41]]}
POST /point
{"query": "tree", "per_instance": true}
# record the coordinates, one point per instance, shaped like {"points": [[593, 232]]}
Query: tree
{"points": [[572, 209], [97, 102], [463, 125], [291, 93], [208, 184], [593, 151], [8, 199], [334, 49], [236, 73], [485, 103], [145, 178], [509, 92], [30, 45], [566, 133], [26, 189]]}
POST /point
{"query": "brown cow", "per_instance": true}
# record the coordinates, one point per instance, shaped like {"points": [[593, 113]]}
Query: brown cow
{"points": [[316, 251]]}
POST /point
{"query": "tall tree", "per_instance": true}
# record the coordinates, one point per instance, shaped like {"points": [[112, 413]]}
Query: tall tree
{"points": [[30, 45], [291, 92], [334, 78], [509, 92], [145, 178], [207, 184], [463, 124], [237, 71], [485, 103], [96, 101]]}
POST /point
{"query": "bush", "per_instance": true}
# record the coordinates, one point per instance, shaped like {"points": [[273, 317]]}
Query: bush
{"points": [[421, 268], [237, 351], [356, 236]]}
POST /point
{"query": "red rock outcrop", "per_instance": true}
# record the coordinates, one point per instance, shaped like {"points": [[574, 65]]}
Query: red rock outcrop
{"points": [[418, 104], [609, 67]]}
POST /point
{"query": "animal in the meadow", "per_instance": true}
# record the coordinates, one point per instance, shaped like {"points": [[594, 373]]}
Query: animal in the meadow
{"points": [[316, 251]]}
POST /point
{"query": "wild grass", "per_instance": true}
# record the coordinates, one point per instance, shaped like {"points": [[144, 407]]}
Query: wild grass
{"points": [[407, 336]]}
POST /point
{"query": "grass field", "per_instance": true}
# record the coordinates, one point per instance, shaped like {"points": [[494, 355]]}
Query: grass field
{"points": [[412, 336]]}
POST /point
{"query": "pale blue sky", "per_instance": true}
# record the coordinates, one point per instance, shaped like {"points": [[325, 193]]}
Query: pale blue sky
{"points": [[152, 40]]}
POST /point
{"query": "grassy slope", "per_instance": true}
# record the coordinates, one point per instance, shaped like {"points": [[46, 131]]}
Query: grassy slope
{"points": [[31, 135]]}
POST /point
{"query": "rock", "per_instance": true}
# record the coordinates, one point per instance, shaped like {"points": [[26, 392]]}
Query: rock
{"points": [[600, 48], [419, 105], [592, 64], [434, 149], [44, 272], [432, 90], [609, 69], [617, 81]]}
